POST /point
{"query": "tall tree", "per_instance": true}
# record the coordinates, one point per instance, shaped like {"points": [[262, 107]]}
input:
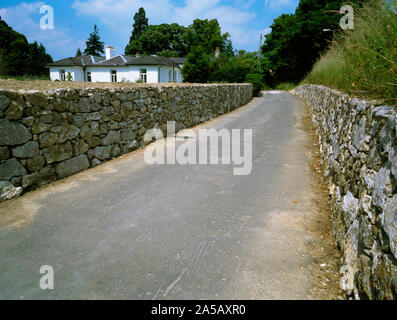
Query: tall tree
{"points": [[175, 40], [18, 57], [197, 67], [207, 34], [37, 60], [94, 44], [298, 40], [140, 25], [14, 51], [78, 53], [164, 37], [281, 54]]}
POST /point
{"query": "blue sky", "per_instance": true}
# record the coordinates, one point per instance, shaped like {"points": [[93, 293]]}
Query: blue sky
{"points": [[74, 19]]}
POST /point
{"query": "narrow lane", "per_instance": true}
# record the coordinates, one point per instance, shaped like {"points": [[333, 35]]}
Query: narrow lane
{"points": [[128, 230]]}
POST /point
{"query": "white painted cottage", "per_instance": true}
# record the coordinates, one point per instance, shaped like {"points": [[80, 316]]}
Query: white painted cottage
{"points": [[121, 68]]}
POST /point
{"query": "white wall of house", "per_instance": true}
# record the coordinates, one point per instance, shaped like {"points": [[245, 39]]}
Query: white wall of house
{"points": [[164, 73], [130, 73], [103, 74], [169, 74], [76, 73], [179, 77]]}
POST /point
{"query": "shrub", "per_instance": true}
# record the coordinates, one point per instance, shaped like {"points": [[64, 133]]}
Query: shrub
{"points": [[256, 80], [197, 66]]}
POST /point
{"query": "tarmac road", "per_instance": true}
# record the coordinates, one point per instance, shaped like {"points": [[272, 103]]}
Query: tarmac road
{"points": [[129, 230]]}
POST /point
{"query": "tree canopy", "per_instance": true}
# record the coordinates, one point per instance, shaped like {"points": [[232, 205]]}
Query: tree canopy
{"points": [[161, 38], [140, 25], [37, 60], [94, 44], [174, 40], [207, 34], [197, 67], [18, 57], [235, 68], [297, 40]]}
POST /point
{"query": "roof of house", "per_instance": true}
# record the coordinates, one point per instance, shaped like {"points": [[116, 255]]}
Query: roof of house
{"points": [[120, 60], [78, 61]]}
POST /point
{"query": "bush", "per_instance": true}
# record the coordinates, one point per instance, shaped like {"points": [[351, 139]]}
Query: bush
{"points": [[233, 69], [197, 66], [256, 80], [363, 61]]}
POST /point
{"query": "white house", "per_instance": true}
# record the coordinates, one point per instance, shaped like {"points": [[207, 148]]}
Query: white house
{"points": [[121, 68]]}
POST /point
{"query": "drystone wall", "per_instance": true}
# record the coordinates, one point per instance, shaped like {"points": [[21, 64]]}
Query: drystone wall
{"points": [[358, 144], [49, 135]]}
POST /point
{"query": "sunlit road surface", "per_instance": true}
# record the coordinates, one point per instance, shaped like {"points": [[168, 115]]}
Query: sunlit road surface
{"points": [[129, 230]]}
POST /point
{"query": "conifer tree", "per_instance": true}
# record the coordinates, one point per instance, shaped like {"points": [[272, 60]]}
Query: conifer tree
{"points": [[94, 44]]}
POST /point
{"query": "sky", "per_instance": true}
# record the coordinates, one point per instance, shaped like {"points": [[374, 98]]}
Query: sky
{"points": [[74, 20]]}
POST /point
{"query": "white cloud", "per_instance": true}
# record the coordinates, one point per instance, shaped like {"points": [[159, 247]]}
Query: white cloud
{"points": [[118, 15], [25, 18]]}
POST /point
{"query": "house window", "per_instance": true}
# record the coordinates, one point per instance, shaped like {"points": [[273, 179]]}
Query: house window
{"points": [[62, 75], [89, 78], [169, 76], [143, 75], [113, 74]]}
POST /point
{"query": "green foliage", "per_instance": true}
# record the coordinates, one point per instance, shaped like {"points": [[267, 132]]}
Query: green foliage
{"points": [[18, 57], [133, 47], [234, 69], [363, 62], [168, 53], [13, 51], [164, 37], [297, 40], [15, 58], [280, 58], [257, 82], [203, 67], [37, 60], [175, 40], [286, 86], [197, 67], [94, 44], [140, 24], [79, 53], [207, 34], [160, 38]]}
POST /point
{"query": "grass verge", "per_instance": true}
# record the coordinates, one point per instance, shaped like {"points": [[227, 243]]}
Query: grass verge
{"points": [[363, 61]]}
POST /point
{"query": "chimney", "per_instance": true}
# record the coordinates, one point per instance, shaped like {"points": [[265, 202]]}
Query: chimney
{"points": [[108, 52], [217, 52]]}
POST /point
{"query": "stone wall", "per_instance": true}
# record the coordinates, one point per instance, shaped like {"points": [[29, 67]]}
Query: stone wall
{"points": [[358, 144], [49, 135]]}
